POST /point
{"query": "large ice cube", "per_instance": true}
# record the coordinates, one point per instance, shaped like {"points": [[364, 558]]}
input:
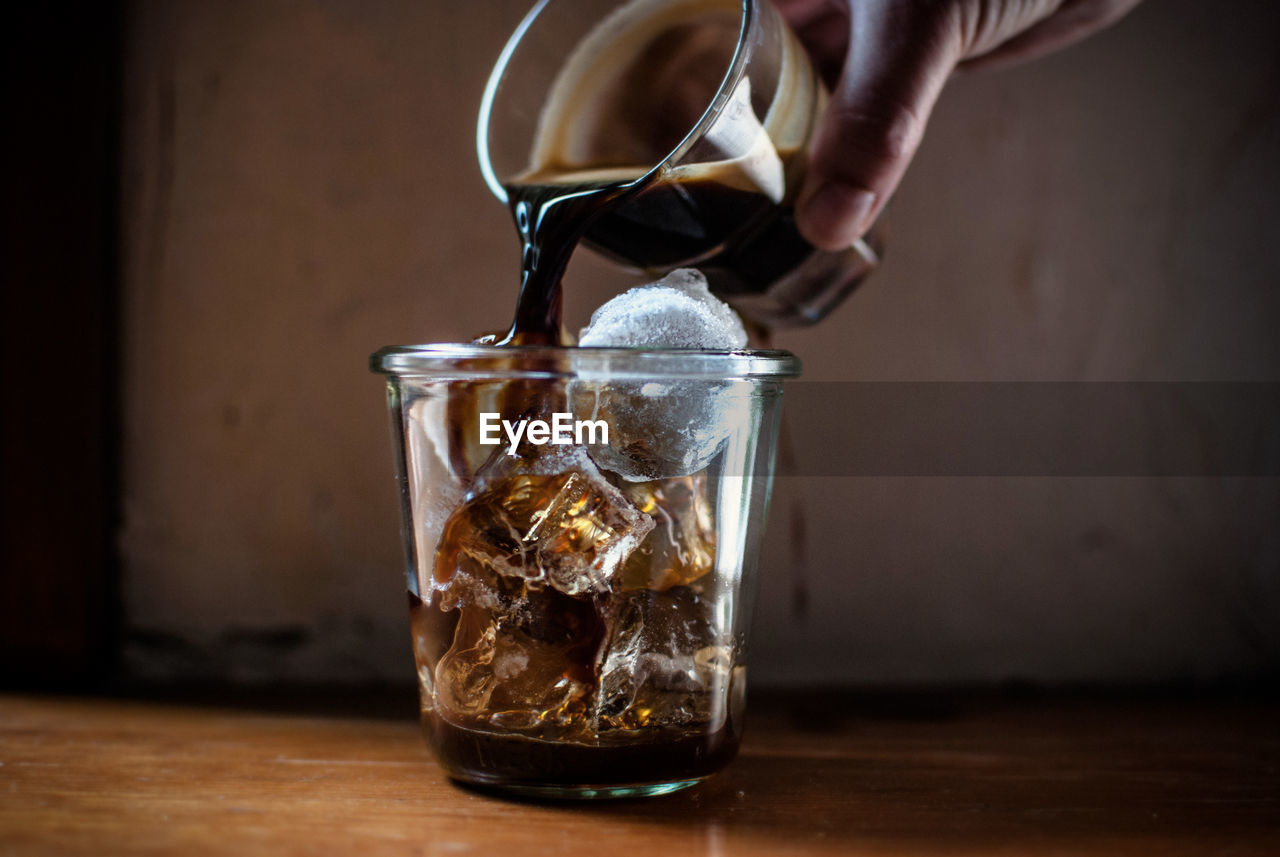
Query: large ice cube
{"points": [[677, 311], [665, 662], [663, 427]]}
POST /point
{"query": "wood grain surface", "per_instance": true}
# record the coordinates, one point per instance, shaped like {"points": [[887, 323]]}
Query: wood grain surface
{"points": [[94, 776]]}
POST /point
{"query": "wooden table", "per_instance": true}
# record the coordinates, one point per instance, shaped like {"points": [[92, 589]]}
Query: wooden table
{"points": [[979, 776]]}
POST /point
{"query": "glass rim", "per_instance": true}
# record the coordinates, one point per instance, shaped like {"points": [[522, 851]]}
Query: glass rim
{"points": [[733, 74], [469, 361]]}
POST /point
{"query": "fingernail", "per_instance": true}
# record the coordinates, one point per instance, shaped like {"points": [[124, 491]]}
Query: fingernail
{"points": [[835, 215]]}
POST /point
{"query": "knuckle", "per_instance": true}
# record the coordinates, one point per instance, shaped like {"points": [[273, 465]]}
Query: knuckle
{"points": [[886, 132]]}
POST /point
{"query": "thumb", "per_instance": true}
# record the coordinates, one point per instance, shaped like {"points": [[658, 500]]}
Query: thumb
{"points": [[900, 54]]}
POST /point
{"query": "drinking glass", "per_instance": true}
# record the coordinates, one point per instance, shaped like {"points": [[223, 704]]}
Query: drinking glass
{"points": [[579, 610]]}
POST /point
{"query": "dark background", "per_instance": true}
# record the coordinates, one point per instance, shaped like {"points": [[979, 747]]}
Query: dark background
{"points": [[217, 210]]}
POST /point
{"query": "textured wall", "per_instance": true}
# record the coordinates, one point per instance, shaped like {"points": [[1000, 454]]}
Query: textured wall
{"points": [[301, 189]]}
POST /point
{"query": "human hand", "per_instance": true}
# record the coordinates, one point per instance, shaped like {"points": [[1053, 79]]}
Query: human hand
{"points": [[887, 61]]}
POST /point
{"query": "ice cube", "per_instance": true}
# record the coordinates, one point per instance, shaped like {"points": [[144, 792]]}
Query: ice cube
{"points": [[665, 662], [523, 652], [533, 678], [682, 546], [677, 311], [570, 530], [662, 428]]}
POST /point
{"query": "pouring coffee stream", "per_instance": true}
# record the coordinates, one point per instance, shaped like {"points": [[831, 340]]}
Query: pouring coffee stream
{"points": [[550, 220]]}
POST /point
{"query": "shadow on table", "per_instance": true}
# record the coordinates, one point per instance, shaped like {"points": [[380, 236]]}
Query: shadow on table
{"points": [[941, 774]]}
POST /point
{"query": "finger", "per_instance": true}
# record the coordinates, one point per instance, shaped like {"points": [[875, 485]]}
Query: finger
{"points": [[900, 55], [1072, 22]]}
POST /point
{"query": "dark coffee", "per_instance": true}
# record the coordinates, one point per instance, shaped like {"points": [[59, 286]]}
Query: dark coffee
{"points": [[513, 760]]}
